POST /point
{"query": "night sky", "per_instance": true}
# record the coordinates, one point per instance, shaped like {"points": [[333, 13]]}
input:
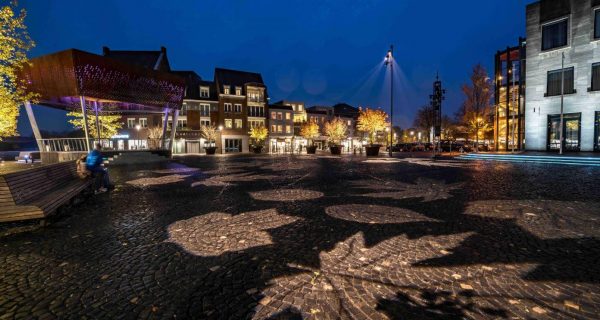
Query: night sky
{"points": [[321, 52]]}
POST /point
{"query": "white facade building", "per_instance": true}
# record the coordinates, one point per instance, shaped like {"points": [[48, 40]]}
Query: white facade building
{"points": [[554, 28]]}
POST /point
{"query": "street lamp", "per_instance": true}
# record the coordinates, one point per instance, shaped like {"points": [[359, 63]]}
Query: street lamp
{"points": [[389, 62]]}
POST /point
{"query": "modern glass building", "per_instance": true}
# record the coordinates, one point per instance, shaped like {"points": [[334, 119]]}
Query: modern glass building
{"points": [[509, 95], [563, 42]]}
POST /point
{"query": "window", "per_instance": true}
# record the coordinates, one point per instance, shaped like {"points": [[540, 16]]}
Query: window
{"points": [[273, 128], [554, 85], [279, 116], [228, 123], [596, 77], [597, 24], [204, 92], [300, 107], [349, 123], [279, 128], [555, 35], [181, 123], [130, 122], [287, 116], [204, 110], [205, 122], [288, 129], [274, 115], [238, 123], [226, 89], [228, 107], [254, 111], [255, 123], [144, 122], [238, 91], [237, 107]]}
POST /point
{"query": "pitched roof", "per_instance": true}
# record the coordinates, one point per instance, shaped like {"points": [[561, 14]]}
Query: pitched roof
{"points": [[280, 107], [313, 111], [193, 82], [236, 78], [148, 59]]}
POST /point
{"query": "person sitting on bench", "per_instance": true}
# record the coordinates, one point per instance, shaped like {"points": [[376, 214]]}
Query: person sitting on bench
{"points": [[94, 164]]}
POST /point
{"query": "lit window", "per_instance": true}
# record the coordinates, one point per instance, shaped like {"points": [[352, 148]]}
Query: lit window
{"points": [[237, 107], [274, 115], [238, 123], [238, 91], [228, 107], [226, 89], [204, 92], [287, 116], [144, 122], [130, 122], [300, 107], [554, 85], [279, 116], [288, 129], [228, 123], [273, 128], [596, 77], [279, 128], [205, 110], [555, 35]]}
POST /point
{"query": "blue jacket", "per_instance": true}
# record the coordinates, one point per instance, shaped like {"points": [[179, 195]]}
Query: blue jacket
{"points": [[94, 159]]}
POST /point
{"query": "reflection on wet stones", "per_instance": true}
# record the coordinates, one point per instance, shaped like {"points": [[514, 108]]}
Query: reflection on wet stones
{"points": [[216, 233], [374, 214], [230, 179], [156, 181], [287, 195], [176, 170]]}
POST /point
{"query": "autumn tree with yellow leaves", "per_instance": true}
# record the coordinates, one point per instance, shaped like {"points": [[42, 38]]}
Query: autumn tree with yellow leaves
{"points": [[14, 45], [335, 130], [310, 131], [109, 124], [372, 121]]}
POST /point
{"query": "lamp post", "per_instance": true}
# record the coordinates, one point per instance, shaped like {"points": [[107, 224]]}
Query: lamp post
{"points": [[562, 99], [513, 106], [137, 135], [390, 62]]}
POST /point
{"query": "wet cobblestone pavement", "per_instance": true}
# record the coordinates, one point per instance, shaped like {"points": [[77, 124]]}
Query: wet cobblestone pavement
{"points": [[316, 238]]}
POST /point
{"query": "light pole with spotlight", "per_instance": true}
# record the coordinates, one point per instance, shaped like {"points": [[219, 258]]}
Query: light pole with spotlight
{"points": [[390, 62]]}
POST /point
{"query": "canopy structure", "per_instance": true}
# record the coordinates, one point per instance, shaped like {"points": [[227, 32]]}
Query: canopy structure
{"points": [[61, 78], [72, 78]]}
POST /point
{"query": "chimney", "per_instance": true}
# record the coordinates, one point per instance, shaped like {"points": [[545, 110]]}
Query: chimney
{"points": [[105, 51], [163, 50]]}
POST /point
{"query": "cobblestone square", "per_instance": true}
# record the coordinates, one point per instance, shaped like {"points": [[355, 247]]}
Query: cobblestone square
{"points": [[316, 237]]}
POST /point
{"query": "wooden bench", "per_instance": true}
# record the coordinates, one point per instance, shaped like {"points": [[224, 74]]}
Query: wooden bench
{"points": [[39, 192]]}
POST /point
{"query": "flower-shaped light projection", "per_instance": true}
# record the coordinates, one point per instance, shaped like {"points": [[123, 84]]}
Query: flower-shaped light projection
{"points": [[216, 233], [287, 195], [155, 181], [429, 190], [374, 214], [352, 278], [543, 218], [231, 179]]}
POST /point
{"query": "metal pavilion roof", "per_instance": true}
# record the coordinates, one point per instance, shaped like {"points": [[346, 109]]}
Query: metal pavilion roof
{"points": [[61, 78]]}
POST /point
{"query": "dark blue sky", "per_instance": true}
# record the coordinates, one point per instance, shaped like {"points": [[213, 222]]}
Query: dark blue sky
{"points": [[321, 52]]}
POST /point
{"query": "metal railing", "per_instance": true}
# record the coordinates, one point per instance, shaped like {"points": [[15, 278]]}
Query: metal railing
{"points": [[79, 144]]}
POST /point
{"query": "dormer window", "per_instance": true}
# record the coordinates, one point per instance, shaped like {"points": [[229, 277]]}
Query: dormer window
{"points": [[238, 91], [226, 89], [204, 92]]}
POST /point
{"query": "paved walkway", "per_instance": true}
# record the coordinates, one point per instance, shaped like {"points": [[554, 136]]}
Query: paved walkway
{"points": [[316, 237]]}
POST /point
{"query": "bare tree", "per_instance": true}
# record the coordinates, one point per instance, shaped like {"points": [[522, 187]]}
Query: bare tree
{"points": [[425, 119], [474, 113]]}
